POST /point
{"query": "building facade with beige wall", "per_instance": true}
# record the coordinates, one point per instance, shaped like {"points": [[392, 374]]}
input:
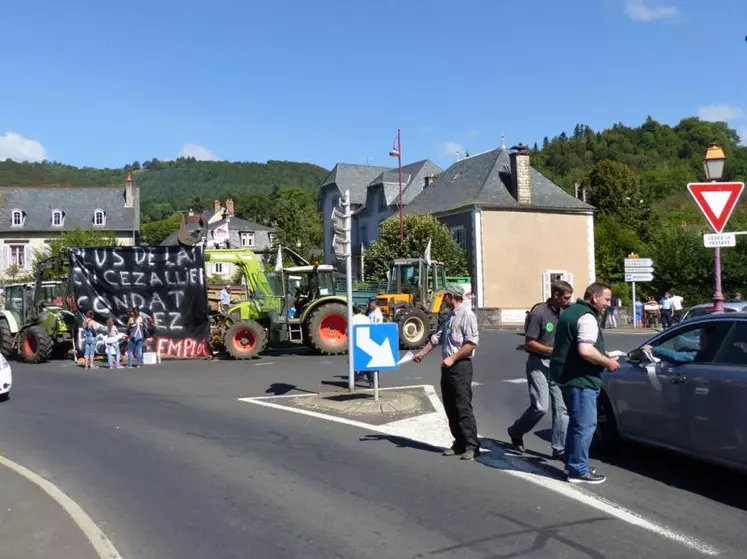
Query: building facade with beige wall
{"points": [[32, 216], [520, 231]]}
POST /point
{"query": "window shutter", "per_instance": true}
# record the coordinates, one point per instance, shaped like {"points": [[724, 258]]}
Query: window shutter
{"points": [[27, 255], [4, 257], [546, 286]]}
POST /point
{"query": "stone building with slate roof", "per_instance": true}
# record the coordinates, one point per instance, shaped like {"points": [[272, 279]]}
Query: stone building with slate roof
{"points": [[374, 196], [520, 230], [30, 216], [241, 234]]}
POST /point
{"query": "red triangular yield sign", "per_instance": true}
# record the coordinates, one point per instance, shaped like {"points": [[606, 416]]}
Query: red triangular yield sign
{"points": [[716, 200]]}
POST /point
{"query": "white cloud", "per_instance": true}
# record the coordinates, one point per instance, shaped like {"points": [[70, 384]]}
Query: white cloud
{"points": [[743, 136], [16, 147], [640, 11], [719, 113], [201, 153], [452, 148]]}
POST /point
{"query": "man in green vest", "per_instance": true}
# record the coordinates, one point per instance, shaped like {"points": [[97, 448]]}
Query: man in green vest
{"points": [[576, 365]]}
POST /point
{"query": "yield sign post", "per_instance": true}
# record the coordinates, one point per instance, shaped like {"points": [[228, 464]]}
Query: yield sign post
{"points": [[716, 200]]}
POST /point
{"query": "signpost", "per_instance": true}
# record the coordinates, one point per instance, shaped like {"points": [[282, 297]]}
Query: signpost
{"points": [[713, 240], [341, 245], [636, 270], [717, 201], [375, 348]]}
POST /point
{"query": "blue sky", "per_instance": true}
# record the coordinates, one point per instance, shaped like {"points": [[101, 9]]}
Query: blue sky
{"points": [[106, 83]]}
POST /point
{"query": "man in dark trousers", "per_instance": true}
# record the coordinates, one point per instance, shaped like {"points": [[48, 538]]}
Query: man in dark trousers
{"points": [[539, 332], [457, 335], [577, 363]]}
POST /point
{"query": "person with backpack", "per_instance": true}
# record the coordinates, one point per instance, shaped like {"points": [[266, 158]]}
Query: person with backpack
{"points": [[539, 332]]}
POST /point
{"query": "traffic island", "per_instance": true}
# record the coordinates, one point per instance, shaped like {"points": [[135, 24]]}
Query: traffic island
{"points": [[394, 404]]}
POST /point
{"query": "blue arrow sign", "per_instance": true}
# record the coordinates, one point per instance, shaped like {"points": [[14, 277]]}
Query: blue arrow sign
{"points": [[375, 346]]}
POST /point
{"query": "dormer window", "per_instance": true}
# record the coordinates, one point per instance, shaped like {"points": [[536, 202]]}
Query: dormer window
{"points": [[17, 218], [58, 217], [99, 218]]}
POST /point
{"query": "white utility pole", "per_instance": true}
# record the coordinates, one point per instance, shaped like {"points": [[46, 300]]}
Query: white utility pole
{"points": [[341, 245]]}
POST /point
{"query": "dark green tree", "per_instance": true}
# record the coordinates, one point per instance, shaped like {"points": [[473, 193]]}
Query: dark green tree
{"points": [[418, 230]]}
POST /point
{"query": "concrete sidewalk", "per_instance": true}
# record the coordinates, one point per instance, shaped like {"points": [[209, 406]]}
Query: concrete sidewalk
{"points": [[35, 526]]}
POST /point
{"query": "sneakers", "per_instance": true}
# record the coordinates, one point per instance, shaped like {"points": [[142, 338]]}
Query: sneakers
{"points": [[469, 455], [558, 455], [590, 477], [516, 442], [452, 451]]}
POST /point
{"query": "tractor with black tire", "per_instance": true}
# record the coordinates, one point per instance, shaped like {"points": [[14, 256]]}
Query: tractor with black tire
{"points": [[34, 322], [414, 299], [295, 304]]}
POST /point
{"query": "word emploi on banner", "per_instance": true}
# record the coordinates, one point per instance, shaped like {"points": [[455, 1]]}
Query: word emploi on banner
{"points": [[166, 283]]}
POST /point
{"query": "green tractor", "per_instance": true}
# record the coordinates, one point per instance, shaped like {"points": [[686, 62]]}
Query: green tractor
{"points": [[296, 304], [34, 321]]}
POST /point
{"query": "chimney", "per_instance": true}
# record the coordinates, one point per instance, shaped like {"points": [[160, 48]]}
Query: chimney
{"points": [[229, 207], [129, 191], [521, 174], [216, 205]]}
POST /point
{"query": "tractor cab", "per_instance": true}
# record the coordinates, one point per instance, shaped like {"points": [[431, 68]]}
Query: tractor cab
{"points": [[21, 300], [304, 284], [410, 283]]}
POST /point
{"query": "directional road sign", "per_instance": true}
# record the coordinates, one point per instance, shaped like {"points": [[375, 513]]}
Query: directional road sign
{"points": [[638, 262], [716, 200], [375, 346], [639, 277], [712, 240], [646, 270]]}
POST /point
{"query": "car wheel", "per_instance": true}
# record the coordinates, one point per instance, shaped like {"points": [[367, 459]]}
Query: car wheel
{"points": [[606, 436]]}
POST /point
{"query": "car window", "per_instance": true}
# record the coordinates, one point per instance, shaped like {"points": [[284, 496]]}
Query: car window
{"points": [[691, 338], [734, 349]]}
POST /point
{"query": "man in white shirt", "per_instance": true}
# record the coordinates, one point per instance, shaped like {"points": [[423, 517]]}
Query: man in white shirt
{"points": [[375, 315], [225, 298], [677, 306]]}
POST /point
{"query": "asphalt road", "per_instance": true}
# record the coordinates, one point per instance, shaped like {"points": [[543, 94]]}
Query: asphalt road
{"points": [[169, 463]]}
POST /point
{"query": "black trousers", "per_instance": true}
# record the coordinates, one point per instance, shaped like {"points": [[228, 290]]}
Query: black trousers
{"points": [[456, 391]]}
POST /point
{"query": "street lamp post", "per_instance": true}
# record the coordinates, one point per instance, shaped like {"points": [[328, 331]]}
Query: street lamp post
{"points": [[397, 152], [714, 169]]}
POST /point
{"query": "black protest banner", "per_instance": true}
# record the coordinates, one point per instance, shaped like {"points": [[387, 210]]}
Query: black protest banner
{"points": [[167, 283]]}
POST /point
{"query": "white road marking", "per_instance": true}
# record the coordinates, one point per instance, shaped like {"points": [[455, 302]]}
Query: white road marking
{"points": [[103, 546], [515, 380], [263, 364], [433, 429], [476, 383]]}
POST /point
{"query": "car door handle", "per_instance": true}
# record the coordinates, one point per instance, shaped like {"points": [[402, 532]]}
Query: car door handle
{"points": [[679, 379]]}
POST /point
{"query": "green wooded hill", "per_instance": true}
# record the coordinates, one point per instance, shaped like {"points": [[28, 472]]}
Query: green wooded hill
{"points": [[174, 186], [637, 179]]}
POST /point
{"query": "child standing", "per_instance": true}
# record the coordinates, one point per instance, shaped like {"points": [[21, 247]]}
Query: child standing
{"points": [[112, 345]]}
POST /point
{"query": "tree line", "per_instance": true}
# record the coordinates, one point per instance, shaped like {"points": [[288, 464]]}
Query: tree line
{"points": [[637, 179]]}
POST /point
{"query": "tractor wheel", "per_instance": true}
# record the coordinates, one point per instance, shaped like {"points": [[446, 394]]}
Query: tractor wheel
{"points": [[245, 339], [328, 329], [36, 345], [6, 339], [413, 328]]}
